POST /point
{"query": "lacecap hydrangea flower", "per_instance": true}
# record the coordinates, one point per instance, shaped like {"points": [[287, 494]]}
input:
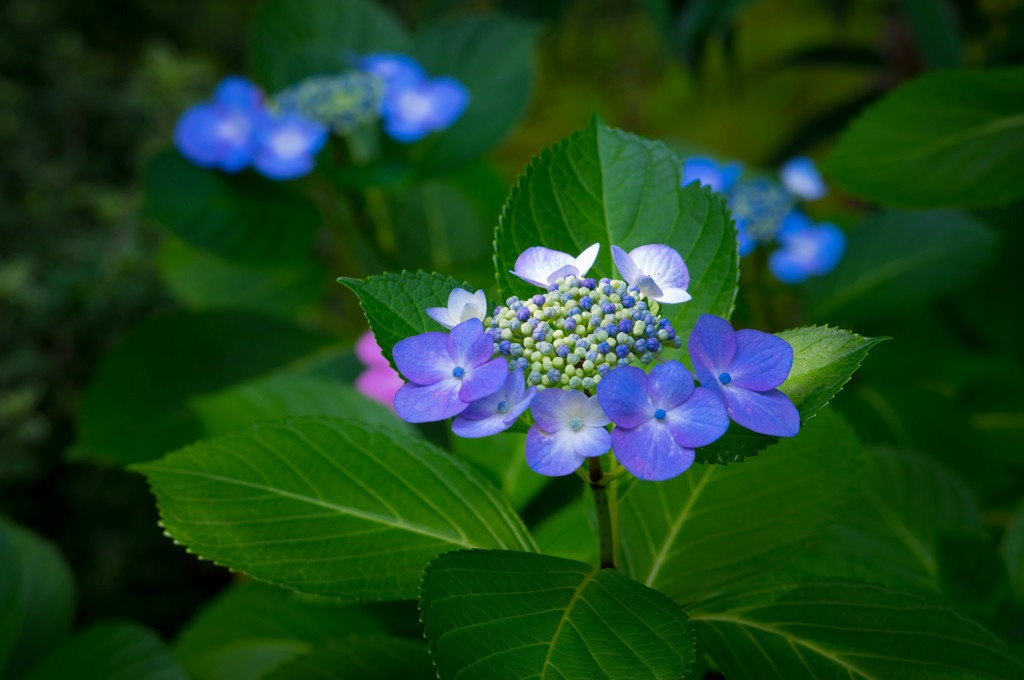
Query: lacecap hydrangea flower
{"points": [[340, 102], [236, 129], [413, 104]]}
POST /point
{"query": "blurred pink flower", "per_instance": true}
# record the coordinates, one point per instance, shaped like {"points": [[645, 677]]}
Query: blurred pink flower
{"points": [[379, 381]]}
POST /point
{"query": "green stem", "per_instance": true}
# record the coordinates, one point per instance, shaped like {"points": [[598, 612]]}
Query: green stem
{"points": [[606, 511]]}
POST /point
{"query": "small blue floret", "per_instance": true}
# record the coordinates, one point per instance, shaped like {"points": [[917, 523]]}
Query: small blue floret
{"points": [[660, 414], [458, 371], [724, 378]]}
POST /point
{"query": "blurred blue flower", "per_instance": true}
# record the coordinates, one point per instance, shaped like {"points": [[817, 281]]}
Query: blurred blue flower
{"points": [[806, 249], [759, 206], [743, 368], [220, 133], [709, 172], [395, 70], [286, 145], [568, 428], [413, 111], [801, 178]]}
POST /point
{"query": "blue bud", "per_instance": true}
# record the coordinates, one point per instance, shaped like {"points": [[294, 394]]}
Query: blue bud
{"points": [[589, 283], [535, 377], [539, 335], [575, 311], [625, 326], [653, 345], [554, 375], [628, 301], [523, 314], [640, 345], [650, 331], [607, 290], [562, 351], [594, 322], [569, 324], [582, 344], [505, 347], [523, 363], [663, 323], [538, 299], [608, 308], [586, 302], [590, 356], [603, 368], [611, 329], [622, 351], [553, 288], [604, 348]]}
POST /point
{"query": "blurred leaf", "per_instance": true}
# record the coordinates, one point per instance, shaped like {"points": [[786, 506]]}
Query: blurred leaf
{"points": [[493, 57], [328, 506], [395, 304], [502, 461], [251, 628], [603, 185], [136, 407], [439, 228], [1012, 549], [823, 360], [972, 573], [293, 39], [935, 32], [569, 532], [698, 20], [360, 657], [243, 217], [112, 651], [288, 395], [660, 12], [36, 599], [898, 260], [499, 614], [714, 526], [846, 630], [945, 139], [202, 281]]}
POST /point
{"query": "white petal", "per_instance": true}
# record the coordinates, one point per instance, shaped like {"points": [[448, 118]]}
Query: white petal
{"points": [[441, 315], [673, 296], [586, 259], [536, 264], [475, 307], [627, 268]]}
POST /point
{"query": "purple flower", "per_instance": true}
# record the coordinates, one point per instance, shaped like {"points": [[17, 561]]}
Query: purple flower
{"points": [[394, 69], [743, 368], [497, 412], [660, 418], [220, 133], [543, 266], [286, 144], [412, 110], [801, 178], [446, 372], [462, 306], [379, 381], [806, 249], [658, 271], [568, 427], [709, 172]]}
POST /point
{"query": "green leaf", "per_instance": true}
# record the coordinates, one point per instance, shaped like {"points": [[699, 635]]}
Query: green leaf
{"points": [[888, 532], [36, 598], [570, 532], [972, 573], [243, 217], [112, 651], [603, 185], [714, 526], [136, 407], [958, 134], [898, 260], [1012, 549], [935, 30], [439, 227], [293, 39], [202, 281], [493, 57], [823, 360], [360, 657], [288, 395], [846, 630], [251, 628], [395, 304], [328, 506], [503, 461], [499, 614]]}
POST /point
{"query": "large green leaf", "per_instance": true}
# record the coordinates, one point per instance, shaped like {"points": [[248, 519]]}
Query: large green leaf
{"points": [[293, 39], [714, 526], [823, 360], [395, 304], [243, 217], [119, 650], [503, 462], [846, 630], [603, 185], [284, 396], [571, 531], [329, 506], [136, 407], [251, 628], [1012, 549], [36, 598], [493, 57], [360, 657], [945, 139], [498, 614], [898, 260]]}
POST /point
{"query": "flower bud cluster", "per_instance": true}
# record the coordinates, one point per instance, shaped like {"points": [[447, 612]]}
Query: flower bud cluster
{"points": [[579, 330], [341, 102]]}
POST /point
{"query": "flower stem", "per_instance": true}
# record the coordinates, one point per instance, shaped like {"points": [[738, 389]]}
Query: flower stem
{"points": [[606, 511]]}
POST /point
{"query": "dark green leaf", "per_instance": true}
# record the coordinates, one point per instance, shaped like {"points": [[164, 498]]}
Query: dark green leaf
{"points": [[111, 651], [395, 304], [493, 58], [243, 217], [945, 139], [36, 599], [251, 628], [439, 228], [846, 630], [570, 533], [498, 614], [329, 506], [972, 573], [136, 407], [603, 185], [1012, 549], [503, 461], [899, 260], [935, 32], [823, 360], [293, 39], [714, 526], [360, 657]]}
